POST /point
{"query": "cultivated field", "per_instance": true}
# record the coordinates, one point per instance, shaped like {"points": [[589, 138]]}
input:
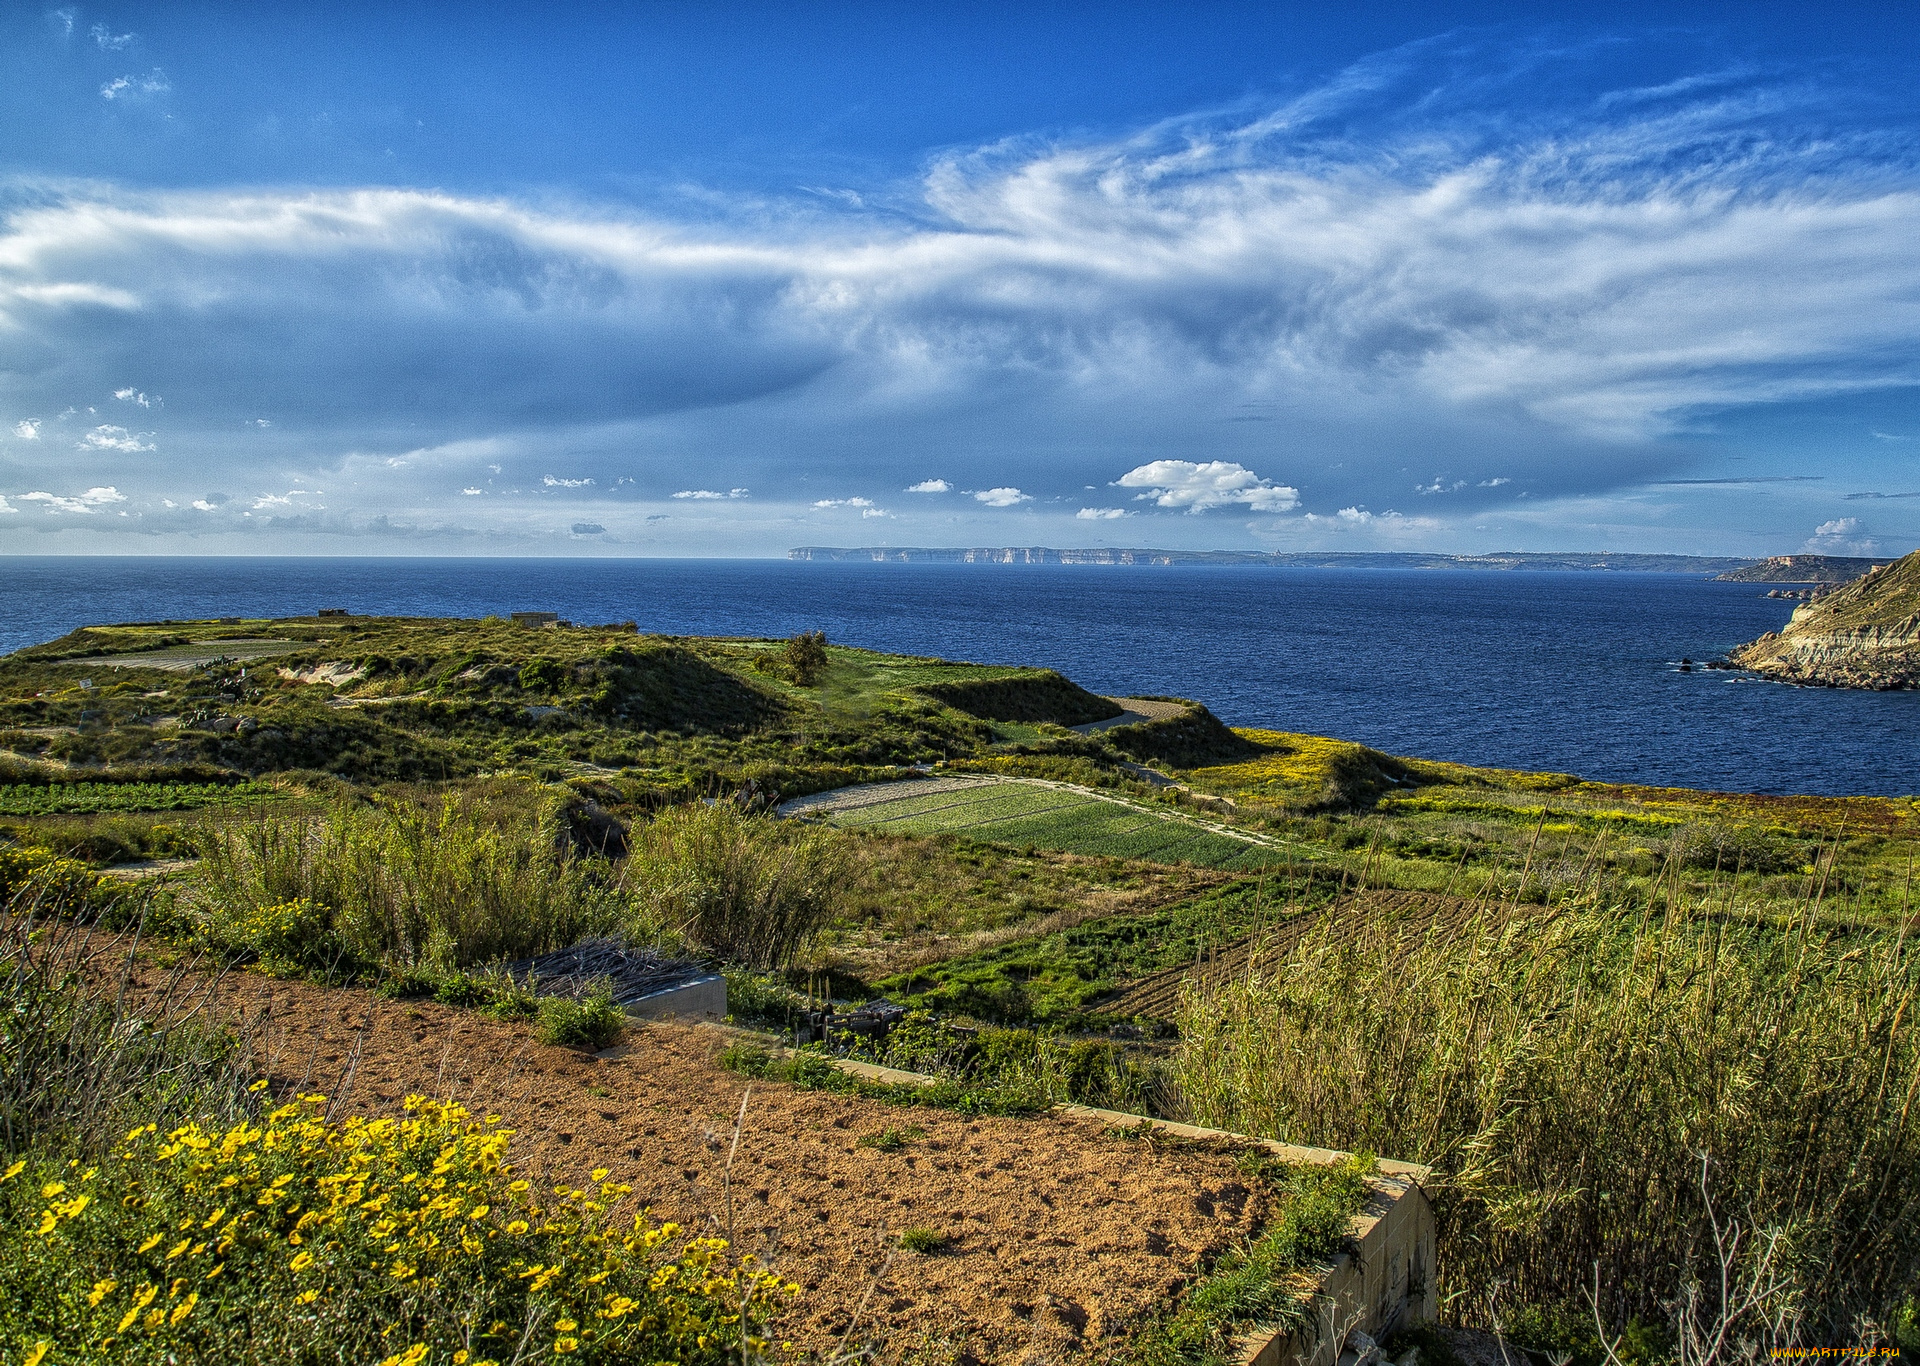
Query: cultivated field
{"points": [[1041, 815]]}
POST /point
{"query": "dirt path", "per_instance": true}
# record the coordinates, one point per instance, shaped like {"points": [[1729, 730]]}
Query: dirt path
{"points": [[1137, 709], [1061, 1234]]}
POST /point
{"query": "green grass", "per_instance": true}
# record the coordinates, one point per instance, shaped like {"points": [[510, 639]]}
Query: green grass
{"points": [[58, 799], [1072, 822]]}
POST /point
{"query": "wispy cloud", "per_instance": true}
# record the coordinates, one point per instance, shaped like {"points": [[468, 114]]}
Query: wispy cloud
{"points": [[1101, 514], [27, 429], [136, 87], [1751, 479], [1855, 497], [708, 495], [551, 482], [104, 37], [132, 395]]}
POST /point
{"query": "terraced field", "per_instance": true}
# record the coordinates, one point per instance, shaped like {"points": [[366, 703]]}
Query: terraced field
{"points": [[1023, 812]]}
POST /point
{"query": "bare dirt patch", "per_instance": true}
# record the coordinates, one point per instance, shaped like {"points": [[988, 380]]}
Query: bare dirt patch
{"points": [[1060, 1234]]}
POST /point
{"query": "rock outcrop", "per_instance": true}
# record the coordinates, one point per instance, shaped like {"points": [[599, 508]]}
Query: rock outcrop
{"points": [[1864, 635]]}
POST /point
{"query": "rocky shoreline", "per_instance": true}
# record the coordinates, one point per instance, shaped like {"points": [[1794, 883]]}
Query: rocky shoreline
{"points": [[1864, 635]]}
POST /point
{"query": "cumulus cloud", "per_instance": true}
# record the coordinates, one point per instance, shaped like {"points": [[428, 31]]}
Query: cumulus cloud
{"points": [[110, 438], [5, 506], [86, 503], [1002, 497], [707, 495], [1200, 487], [1101, 514], [27, 429], [930, 486], [1841, 536]]}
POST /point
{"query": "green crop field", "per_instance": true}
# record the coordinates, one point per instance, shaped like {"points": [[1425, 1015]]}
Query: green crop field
{"points": [[76, 799], [1053, 818]]}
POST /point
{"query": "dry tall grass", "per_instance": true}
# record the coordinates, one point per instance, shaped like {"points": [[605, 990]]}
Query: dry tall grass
{"points": [[448, 886], [743, 887], [1564, 1075]]}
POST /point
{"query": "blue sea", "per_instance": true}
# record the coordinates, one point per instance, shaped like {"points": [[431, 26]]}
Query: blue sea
{"points": [[1574, 672]]}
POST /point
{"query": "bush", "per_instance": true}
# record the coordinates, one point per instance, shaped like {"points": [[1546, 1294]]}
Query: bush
{"points": [[593, 1022], [1564, 1077], [742, 887], [296, 1238], [806, 658], [923, 1240]]}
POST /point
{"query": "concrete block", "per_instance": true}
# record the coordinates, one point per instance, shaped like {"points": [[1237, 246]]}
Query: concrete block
{"points": [[704, 998]]}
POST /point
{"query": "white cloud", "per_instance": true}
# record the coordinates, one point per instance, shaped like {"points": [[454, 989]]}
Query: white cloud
{"points": [[553, 483], [1494, 483], [1101, 514], [5, 506], [1441, 486], [1214, 484], [930, 486], [844, 503], [472, 492], [89, 502], [282, 500], [110, 438], [108, 40], [207, 505], [27, 429], [132, 395], [705, 495], [136, 87], [1002, 497], [1841, 536]]}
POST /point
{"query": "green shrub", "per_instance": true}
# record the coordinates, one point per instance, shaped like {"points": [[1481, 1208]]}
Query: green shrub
{"points": [[923, 1240], [890, 1139], [592, 1022], [806, 658]]}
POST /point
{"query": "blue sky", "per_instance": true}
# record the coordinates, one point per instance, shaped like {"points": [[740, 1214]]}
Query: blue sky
{"points": [[725, 279]]}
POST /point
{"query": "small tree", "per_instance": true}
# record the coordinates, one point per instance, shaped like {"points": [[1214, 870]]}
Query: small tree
{"points": [[807, 657]]}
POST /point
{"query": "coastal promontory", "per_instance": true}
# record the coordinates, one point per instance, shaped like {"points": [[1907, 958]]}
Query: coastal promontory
{"points": [[1863, 635]]}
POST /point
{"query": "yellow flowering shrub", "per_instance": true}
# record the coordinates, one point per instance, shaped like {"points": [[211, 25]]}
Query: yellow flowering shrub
{"points": [[407, 1241], [29, 874], [287, 935]]}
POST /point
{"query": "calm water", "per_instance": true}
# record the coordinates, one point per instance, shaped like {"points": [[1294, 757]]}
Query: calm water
{"points": [[1574, 672]]}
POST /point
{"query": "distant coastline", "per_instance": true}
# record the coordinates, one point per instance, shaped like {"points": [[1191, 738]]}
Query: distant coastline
{"points": [[1288, 559]]}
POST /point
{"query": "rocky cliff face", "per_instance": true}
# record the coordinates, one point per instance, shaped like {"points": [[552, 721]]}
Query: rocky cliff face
{"points": [[1865, 635]]}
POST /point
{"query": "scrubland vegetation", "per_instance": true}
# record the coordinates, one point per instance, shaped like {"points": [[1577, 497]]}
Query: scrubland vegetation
{"points": [[1655, 1013]]}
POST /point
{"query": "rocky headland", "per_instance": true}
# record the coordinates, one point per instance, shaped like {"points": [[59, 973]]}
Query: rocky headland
{"points": [[1865, 634]]}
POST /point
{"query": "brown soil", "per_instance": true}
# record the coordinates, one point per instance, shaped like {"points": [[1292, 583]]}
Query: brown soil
{"points": [[1061, 1234], [1411, 914]]}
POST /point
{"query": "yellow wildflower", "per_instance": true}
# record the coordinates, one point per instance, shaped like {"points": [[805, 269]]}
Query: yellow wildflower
{"points": [[184, 1308], [303, 1261], [101, 1289], [306, 1297], [14, 1170], [53, 1188], [150, 1244], [37, 1353], [566, 1325], [562, 1346], [601, 1173]]}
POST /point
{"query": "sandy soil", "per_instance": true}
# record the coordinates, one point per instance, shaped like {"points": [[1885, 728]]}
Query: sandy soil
{"points": [[1061, 1233]]}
